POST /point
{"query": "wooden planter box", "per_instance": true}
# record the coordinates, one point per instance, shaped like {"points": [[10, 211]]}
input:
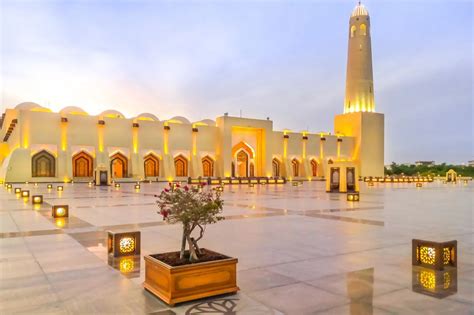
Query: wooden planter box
{"points": [[190, 282]]}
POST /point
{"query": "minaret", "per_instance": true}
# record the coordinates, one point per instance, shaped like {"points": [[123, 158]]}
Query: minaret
{"points": [[360, 120], [359, 78]]}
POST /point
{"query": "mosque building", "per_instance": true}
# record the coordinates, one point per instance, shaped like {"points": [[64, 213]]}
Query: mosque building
{"points": [[39, 145]]}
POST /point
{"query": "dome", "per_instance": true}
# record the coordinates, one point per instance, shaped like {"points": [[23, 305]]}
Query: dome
{"points": [[147, 116], [360, 10], [31, 107], [112, 114], [179, 120], [205, 122], [73, 110]]}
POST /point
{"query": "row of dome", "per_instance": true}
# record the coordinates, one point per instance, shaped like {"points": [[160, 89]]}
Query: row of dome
{"points": [[73, 110]]}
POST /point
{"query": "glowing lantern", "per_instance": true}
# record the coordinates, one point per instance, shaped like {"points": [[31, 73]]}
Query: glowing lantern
{"points": [[354, 196], [49, 186], [123, 243], [251, 185], [137, 186], [9, 186], [25, 193], [37, 199], [60, 188], [17, 190], [295, 184], [60, 211], [434, 255], [419, 185], [220, 188], [35, 184], [90, 184], [117, 185], [371, 183]]}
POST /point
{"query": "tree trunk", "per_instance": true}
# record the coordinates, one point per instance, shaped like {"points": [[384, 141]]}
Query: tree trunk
{"points": [[196, 246], [183, 244], [192, 252]]}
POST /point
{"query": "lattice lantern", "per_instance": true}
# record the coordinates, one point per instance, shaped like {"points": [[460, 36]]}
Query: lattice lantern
{"points": [[353, 196], [123, 243], [439, 284], [434, 255]]}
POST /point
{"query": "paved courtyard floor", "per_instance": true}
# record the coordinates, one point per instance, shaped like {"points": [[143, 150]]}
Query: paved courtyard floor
{"points": [[300, 250]]}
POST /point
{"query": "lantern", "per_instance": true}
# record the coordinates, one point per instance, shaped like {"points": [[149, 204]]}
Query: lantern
{"points": [[37, 199], [434, 255], [251, 185], [123, 243], [35, 184], [137, 187], [9, 186], [60, 188], [90, 184], [49, 186], [419, 185], [371, 183], [117, 185], [295, 183], [353, 196], [220, 188], [60, 211], [17, 190], [25, 193]]}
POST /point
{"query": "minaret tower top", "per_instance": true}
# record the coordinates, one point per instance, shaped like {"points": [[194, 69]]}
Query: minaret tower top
{"points": [[359, 77]]}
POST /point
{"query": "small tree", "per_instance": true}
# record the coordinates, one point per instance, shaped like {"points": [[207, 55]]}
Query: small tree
{"points": [[193, 209]]}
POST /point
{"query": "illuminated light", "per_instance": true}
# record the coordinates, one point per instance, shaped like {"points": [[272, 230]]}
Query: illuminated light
{"points": [[135, 140], [60, 188], [435, 255], [50, 186], [272, 181], [371, 183], [127, 245], [126, 265], [419, 185], [251, 185], [165, 138], [100, 137], [117, 185], [123, 243], [37, 199], [235, 181], [137, 187], [194, 142], [63, 136], [90, 184], [17, 190], [60, 211], [26, 183], [9, 186], [36, 185], [25, 193], [353, 196]]}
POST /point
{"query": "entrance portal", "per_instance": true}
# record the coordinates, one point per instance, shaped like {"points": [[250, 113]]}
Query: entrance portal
{"points": [[350, 178], [118, 165], [242, 164]]}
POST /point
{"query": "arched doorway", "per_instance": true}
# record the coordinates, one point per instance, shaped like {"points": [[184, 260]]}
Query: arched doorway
{"points": [[181, 166], [243, 165], [43, 164], [118, 165], [295, 164], [82, 165], [152, 166], [314, 168], [276, 167], [207, 167]]}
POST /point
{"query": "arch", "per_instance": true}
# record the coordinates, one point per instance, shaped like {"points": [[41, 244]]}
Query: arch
{"points": [[295, 165], [243, 146], [43, 164], [242, 166], [82, 164], [314, 168], [118, 165], [32, 107], [353, 30], [207, 166], [151, 163], [363, 29], [276, 167], [181, 166]]}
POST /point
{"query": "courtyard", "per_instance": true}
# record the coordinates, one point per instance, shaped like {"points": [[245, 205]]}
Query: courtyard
{"points": [[300, 250]]}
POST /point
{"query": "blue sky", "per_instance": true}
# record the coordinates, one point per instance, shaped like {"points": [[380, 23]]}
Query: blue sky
{"points": [[282, 59]]}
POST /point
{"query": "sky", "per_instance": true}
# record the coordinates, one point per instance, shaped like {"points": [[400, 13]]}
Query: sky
{"points": [[280, 59]]}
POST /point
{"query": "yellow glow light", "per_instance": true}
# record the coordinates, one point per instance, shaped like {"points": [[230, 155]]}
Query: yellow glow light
{"points": [[63, 136], [25, 193], [37, 199], [126, 265], [427, 255], [60, 222], [127, 245], [17, 190], [60, 188]]}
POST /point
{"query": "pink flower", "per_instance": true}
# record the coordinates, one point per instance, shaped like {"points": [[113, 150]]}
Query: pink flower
{"points": [[186, 188], [167, 190]]}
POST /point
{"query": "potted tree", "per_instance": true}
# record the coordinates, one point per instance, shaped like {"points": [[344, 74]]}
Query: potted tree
{"points": [[192, 272]]}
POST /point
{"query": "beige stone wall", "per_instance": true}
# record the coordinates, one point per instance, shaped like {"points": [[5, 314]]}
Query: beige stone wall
{"points": [[44, 130]]}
